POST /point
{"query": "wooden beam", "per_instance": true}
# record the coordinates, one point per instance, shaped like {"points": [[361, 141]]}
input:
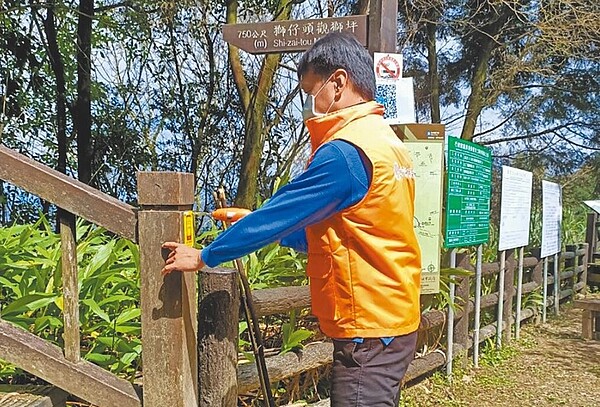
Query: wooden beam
{"points": [[68, 193], [169, 305], [280, 300], [46, 361], [70, 282], [383, 26], [286, 365]]}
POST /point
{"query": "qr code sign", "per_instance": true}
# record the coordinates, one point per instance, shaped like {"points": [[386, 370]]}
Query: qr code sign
{"points": [[385, 94]]}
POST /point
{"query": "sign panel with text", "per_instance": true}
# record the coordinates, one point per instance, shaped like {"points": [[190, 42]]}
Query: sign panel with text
{"points": [[469, 191], [428, 158], [291, 35], [515, 208], [551, 218]]}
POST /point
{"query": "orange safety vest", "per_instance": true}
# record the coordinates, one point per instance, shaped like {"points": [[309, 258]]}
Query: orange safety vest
{"points": [[364, 263]]}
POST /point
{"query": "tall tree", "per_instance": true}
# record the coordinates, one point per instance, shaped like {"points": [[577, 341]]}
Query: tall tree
{"points": [[255, 102], [82, 111]]}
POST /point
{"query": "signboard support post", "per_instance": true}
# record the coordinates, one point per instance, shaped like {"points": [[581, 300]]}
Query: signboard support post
{"points": [[383, 16], [545, 289], [500, 320], [477, 321], [519, 294], [450, 327], [556, 285]]}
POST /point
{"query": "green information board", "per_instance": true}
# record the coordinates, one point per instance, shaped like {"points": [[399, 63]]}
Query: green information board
{"points": [[469, 190]]}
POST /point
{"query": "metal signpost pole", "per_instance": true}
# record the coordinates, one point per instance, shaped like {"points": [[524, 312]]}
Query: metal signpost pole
{"points": [[477, 305], [500, 298], [545, 289], [450, 327], [519, 294]]}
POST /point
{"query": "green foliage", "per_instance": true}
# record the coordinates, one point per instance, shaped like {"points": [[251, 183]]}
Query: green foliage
{"points": [[31, 286], [493, 356], [292, 337]]}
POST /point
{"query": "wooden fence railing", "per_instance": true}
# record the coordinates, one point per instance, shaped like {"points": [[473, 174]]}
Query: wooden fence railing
{"points": [[168, 304], [190, 346], [213, 353]]}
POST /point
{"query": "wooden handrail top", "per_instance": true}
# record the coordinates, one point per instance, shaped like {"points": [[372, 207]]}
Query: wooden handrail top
{"points": [[68, 193]]}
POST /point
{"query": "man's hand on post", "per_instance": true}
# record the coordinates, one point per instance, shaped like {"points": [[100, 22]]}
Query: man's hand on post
{"points": [[182, 258]]}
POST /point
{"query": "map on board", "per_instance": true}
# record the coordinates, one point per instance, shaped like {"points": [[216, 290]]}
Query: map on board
{"points": [[428, 159]]}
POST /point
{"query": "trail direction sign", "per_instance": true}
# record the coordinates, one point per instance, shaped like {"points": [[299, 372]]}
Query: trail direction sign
{"points": [[291, 35], [469, 192]]}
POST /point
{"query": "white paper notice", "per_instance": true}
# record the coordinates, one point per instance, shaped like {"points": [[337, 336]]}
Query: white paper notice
{"points": [[551, 218], [515, 208]]}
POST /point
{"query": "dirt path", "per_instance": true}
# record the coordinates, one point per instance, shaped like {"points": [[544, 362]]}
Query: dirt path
{"points": [[550, 366]]}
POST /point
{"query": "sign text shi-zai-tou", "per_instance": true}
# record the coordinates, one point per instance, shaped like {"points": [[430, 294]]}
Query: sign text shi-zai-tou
{"points": [[292, 35]]}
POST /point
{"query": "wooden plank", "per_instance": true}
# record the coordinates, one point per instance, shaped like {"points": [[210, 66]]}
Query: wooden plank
{"points": [[589, 304], [218, 316], [70, 282], [46, 361], [32, 396], [68, 193]]}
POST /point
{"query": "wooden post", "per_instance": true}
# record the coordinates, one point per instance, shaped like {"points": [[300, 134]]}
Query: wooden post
{"points": [[218, 317], [383, 26], [572, 264], [461, 327], [70, 283], [509, 292], [591, 236], [584, 263], [169, 304]]}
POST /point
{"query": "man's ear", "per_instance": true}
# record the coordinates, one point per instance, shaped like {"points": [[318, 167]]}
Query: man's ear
{"points": [[340, 81]]}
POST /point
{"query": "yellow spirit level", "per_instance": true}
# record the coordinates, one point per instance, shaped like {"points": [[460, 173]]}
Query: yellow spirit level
{"points": [[188, 228]]}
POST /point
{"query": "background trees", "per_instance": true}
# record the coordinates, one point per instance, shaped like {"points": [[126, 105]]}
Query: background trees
{"points": [[99, 89]]}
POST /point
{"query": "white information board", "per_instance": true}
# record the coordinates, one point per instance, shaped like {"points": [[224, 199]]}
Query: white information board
{"points": [[428, 157], [394, 92], [551, 218], [515, 208]]}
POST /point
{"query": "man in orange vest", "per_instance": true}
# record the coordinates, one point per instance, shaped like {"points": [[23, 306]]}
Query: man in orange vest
{"points": [[352, 211]]}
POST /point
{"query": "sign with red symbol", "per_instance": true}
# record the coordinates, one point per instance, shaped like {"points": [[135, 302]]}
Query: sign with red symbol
{"points": [[388, 66]]}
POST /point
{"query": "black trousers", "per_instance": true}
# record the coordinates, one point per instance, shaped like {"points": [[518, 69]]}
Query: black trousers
{"points": [[368, 374]]}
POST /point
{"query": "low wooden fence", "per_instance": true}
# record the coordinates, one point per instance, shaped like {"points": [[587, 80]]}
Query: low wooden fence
{"points": [[571, 280], [190, 339]]}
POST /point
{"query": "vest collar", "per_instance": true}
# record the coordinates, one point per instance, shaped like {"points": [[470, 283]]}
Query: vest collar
{"points": [[323, 128]]}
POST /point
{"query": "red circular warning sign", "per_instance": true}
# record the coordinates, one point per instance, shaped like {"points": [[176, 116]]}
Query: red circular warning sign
{"points": [[388, 68]]}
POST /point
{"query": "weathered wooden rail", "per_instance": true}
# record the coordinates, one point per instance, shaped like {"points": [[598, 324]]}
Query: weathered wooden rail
{"points": [[168, 304], [190, 345]]}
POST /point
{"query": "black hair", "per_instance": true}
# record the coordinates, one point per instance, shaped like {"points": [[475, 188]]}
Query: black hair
{"points": [[341, 50]]}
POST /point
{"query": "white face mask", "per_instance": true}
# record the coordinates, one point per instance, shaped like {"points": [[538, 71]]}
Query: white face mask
{"points": [[308, 109]]}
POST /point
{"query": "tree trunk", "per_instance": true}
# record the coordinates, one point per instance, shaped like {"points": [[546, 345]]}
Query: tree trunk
{"points": [[477, 97], [434, 78], [59, 73], [255, 104], [83, 108]]}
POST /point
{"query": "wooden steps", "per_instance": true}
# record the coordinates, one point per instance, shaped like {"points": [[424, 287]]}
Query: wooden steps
{"points": [[32, 396]]}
